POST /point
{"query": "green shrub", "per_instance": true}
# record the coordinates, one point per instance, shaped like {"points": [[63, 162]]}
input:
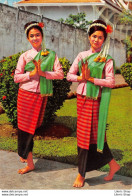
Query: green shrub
{"points": [[9, 90], [60, 91], [65, 64], [126, 71]]}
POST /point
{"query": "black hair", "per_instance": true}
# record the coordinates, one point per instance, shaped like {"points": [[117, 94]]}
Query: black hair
{"points": [[34, 26], [98, 28]]}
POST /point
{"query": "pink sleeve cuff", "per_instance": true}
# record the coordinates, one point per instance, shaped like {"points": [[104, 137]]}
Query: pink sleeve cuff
{"points": [[109, 80], [57, 72], [21, 77]]}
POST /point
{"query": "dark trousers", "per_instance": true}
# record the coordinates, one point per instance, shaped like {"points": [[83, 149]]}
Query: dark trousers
{"points": [[25, 143], [89, 160]]}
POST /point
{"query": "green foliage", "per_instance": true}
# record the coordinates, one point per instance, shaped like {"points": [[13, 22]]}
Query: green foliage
{"points": [[126, 17], [60, 91], [65, 64], [128, 42], [9, 90], [77, 20], [126, 71]]}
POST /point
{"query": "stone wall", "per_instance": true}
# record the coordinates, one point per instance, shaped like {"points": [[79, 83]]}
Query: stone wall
{"points": [[65, 40]]}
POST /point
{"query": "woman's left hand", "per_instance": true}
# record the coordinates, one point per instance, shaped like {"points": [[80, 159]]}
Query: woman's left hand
{"points": [[87, 73], [35, 71], [91, 79], [40, 72]]}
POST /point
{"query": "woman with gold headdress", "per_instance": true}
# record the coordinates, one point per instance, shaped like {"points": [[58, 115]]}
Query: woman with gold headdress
{"points": [[96, 78], [36, 68]]}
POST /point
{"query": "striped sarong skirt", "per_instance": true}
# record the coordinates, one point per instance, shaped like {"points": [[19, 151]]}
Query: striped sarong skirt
{"points": [[87, 121], [87, 128], [30, 110]]}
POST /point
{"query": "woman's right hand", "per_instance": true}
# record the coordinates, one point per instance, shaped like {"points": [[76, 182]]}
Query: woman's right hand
{"points": [[35, 71], [83, 76], [80, 79], [83, 70]]}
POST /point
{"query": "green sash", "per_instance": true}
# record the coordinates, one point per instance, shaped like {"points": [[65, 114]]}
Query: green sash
{"points": [[46, 86], [92, 91]]}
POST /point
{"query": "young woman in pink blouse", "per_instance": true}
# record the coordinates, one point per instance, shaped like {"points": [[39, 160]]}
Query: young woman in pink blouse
{"points": [[96, 78], [36, 68]]}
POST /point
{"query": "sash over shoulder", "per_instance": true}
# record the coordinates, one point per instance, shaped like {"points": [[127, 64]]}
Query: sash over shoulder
{"points": [[92, 91], [47, 63]]}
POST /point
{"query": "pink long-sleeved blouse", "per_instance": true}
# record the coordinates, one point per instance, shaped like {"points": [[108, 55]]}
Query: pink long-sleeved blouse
{"points": [[33, 84], [109, 80]]}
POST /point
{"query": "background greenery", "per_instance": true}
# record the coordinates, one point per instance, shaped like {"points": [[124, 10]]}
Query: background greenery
{"points": [[126, 18], [9, 90], [77, 20], [119, 134], [126, 71]]}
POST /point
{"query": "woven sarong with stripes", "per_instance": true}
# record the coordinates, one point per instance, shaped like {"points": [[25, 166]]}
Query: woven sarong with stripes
{"points": [[87, 121], [30, 110]]}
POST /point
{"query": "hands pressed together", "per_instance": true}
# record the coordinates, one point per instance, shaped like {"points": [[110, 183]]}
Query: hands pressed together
{"points": [[85, 74], [37, 69]]}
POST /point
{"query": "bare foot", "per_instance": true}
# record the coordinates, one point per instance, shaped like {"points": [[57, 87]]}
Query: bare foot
{"points": [[114, 167], [79, 182], [23, 160], [26, 170]]}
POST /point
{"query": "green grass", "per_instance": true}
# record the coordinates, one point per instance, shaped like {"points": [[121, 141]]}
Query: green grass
{"points": [[67, 115], [69, 108], [3, 119], [119, 134], [63, 150], [120, 120]]}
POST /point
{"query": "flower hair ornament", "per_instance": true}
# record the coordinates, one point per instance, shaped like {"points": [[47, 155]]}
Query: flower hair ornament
{"points": [[102, 56], [40, 24]]}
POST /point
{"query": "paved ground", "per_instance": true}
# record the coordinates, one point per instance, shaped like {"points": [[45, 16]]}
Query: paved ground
{"points": [[52, 175], [119, 79]]}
